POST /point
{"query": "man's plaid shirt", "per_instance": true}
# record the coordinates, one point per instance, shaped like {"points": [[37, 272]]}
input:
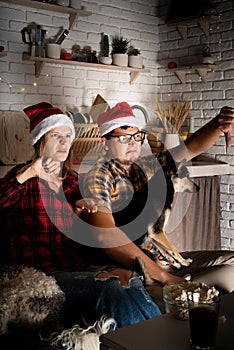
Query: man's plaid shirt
{"points": [[108, 180]]}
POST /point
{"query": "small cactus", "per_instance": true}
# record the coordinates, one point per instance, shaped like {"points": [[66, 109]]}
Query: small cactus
{"points": [[105, 47]]}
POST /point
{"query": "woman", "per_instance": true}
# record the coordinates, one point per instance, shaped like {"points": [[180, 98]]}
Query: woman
{"points": [[37, 205]]}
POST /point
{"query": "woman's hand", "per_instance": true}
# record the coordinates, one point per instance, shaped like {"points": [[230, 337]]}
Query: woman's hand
{"points": [[45, 168], [48, 170], [51, 167]]}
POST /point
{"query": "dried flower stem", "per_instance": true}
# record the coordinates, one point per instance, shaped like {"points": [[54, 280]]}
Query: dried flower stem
{"points": [[174, 116]]}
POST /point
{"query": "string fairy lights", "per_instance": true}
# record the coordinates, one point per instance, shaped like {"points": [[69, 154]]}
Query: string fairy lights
{"points": [[215, 28], [15, 88]]}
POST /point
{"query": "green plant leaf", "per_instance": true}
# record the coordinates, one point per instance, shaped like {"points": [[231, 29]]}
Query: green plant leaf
{"points": [[119, 44]]}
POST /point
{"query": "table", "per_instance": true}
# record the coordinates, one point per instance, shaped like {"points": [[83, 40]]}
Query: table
{"points": [[167, 333]]}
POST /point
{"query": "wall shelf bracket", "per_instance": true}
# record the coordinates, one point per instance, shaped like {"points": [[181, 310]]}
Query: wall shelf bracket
{"points": [[38, 68], [203, 22], [183, 31], [181, 74], [205, 26], [133, 76], [202, 70]]}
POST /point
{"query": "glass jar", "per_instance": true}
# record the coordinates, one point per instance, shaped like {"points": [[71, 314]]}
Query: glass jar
{"points": [[79, 55], [91, 56]]}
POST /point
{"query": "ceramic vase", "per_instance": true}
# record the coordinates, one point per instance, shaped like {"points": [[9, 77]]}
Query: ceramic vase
{"points": [[105, 60], [120, 59], [171, 140], [135, 61]]}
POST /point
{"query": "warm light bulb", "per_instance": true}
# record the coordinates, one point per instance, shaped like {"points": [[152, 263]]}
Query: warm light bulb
{"points": [[34, 84]]}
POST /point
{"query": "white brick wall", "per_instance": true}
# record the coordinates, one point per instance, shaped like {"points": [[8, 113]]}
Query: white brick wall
{"points": [[69, 87], [74, 89], [206, 98]]}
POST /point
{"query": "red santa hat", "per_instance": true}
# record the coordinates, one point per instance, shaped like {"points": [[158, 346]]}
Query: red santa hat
{"points": [[44, 117], [120, 115]]}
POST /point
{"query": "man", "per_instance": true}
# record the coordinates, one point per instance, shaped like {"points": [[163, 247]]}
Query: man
{"points": [[118, 176]]}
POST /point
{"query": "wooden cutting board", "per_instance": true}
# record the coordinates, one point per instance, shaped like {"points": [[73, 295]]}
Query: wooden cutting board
{"points": [[15, 146]]}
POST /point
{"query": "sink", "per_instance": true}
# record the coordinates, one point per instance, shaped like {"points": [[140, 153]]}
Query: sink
{"points": [[206, 166]]}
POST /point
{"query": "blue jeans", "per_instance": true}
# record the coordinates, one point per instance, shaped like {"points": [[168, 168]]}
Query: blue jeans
{"points": [[89, 298]]}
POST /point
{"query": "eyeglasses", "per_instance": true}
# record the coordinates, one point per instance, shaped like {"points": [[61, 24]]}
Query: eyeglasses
{"points": [[125, 139]]}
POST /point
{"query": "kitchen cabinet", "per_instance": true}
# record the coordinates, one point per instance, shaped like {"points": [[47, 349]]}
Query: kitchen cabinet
{"points": [[41, 61], [201, 69], [73, 13]]}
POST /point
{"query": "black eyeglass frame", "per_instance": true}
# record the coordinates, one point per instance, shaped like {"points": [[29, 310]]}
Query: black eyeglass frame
{"points": [[132, 136]]}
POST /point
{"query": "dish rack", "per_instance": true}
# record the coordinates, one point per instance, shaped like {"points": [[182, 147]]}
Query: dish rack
{"points": [[87, 144]]}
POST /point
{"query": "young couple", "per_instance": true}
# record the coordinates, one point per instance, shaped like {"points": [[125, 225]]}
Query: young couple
{"points": [[40, 206]]}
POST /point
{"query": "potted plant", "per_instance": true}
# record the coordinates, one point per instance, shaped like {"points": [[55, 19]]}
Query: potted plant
{"points": [[105, 58], [119, 50], [207, 58], [134, 57]]}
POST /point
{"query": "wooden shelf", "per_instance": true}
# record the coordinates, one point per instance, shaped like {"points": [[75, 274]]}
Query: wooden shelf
{"points": [[41, 61], [203, 22], [73, 13], [201, 69]]}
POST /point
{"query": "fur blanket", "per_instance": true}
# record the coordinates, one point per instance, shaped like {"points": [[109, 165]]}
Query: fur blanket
{"points": [[30, 298], [27, 297]]}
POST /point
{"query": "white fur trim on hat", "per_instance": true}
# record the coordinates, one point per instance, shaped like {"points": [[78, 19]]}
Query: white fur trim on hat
{"points": [[116, 123], [49, 123]]}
